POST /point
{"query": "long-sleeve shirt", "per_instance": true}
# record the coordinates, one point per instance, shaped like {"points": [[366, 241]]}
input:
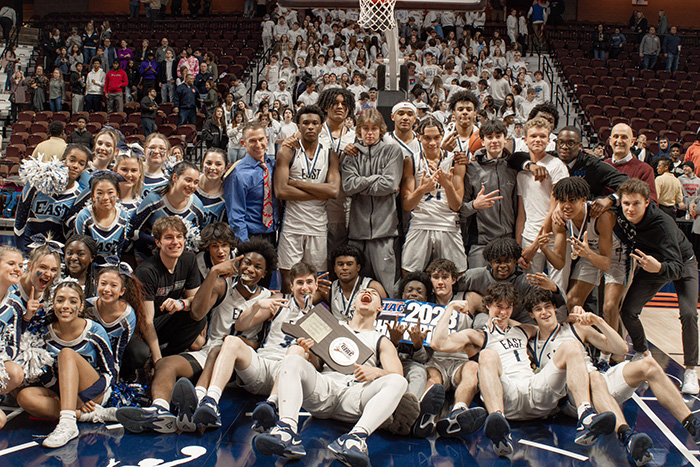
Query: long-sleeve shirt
{"points": [[634, 168], [96, 87], [672, 44], [192, 66], [244, 193], [116, 81], [668, 189], [149, 69]]}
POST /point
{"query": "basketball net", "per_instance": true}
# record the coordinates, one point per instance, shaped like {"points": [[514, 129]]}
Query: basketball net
{"points": [[377, 15]]}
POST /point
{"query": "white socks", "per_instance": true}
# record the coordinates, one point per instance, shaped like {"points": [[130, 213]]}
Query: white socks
{"points": [[460, 405], [582, 408], [214, 392], [201, 392], [162, 403], [67, 416]]}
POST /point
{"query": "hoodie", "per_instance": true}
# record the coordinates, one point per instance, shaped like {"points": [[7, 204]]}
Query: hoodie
{"points": [[667, 152], [659, 236], [372, 180], [484, 225]]}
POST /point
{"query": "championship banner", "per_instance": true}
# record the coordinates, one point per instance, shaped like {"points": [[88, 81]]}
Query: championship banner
{"points": [[411, 313]]}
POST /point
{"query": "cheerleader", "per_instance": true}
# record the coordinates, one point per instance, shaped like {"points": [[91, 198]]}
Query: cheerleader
{"points": [[79, 253], [11, 374], [128, 164], [104, 150], [217, 245], [157, 148], [174, 199], [43, 268], [104, 220], [49, 193], [118, 306], [211, 188], [82, 372]]}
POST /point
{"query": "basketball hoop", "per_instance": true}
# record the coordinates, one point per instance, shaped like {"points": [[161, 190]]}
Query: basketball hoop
{"points": [[377, 15]]}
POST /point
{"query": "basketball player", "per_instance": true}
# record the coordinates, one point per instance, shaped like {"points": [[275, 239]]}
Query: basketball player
{"points": [[306, 178], [256, 372], [366, 398], [432, 188], [340, 295], [594, 250], [534, 197], [612, 386], [462, 137], [449, 370], [230, 287], [509, 387], [404, 116]]}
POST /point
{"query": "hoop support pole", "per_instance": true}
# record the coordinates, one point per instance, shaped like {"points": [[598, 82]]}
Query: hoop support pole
{"points": [[392, 39]]}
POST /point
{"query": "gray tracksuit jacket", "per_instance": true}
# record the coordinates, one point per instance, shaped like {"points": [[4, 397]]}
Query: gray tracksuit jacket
{"points": [[372, 180], [481, 226]]}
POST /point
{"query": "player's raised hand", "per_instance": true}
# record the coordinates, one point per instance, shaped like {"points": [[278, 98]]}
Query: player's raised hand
{"points": [[227, 268], [542, 281], [417, 336], [484, 201], [581, 247], [305, 343], [272, 304], [427, 184], [365, 374], [396, 331], [292, 142], [324, 285], [544, 239]]}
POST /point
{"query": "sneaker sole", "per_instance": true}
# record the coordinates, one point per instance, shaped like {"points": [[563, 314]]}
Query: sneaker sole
{"points": [[184, 400], [497, 430], [642, 445], [132, 418], [690, 391], [469, 422], [404, 417], [268, 445], [262, 419], [206, 419], [431, 405], [348, 458], [602, 424]]}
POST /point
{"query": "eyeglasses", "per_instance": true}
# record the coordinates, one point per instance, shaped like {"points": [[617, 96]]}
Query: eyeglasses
{"points": [[568, 144]]}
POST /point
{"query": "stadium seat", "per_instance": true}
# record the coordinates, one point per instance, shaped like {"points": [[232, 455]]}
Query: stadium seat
{"points": [[680, 114], [93, 127], [663, 113], [670, 134], [134, 117], [638, 124], [650, 134], [35, 138], [634, 92], [117, 118], [74, 117], [61, 116], [671, 104], [39, 127], [98, 117], [167, 129], [16, 150], [44, 116], [28, 115], [19, 138], [611, 111], [616, 91], [678, 126], [628, 112], [604, 100], [650, 93], [667, 94], [128, 129]]}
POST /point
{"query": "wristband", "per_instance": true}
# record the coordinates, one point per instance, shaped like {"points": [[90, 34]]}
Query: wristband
{"points": [[184, 305]]}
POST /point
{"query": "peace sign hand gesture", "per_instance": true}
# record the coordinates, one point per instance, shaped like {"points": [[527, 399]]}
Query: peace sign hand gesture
{"points": [[647, 262]]}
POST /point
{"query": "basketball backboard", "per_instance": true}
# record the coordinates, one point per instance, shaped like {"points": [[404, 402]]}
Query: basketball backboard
{"points": [[440, 5]]}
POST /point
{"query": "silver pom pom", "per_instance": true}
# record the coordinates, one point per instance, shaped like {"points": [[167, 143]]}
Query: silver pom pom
{"points": [[193, 238], [50, 178], [33, 357]]}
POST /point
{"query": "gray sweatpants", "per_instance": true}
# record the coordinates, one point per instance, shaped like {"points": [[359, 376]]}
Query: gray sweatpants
{"points": [[380, 262]]}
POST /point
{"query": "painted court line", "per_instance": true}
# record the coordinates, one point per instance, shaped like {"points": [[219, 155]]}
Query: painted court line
{"points": [[666, 431], [14, 413], [563, 452], [301, 414], [19, 447], [114, 427], [648, 398]]}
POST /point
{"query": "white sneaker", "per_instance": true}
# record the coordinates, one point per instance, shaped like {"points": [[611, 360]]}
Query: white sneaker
{"points": [[690, 382], [99, 415], [64, 432], [639, 355]]}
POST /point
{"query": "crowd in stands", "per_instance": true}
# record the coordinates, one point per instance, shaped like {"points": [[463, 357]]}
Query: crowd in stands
{"points": [[466, 203]]}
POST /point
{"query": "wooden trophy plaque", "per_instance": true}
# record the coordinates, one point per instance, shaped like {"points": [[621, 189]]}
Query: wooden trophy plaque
{"points": [[335, 344]]}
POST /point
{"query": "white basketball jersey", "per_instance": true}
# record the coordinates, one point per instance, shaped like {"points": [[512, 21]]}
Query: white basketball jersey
{"points": [[593, 236], [308, 217], [342, 308], [411, 149], [277, 342], [371, 340], [544, 349], [511, 347], [223, 316], [336, 207], [432, 211]]}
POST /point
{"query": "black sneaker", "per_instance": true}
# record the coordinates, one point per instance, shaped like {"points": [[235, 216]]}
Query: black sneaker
{"points": [[591, 425], [264, 416], [638, 446], [280, 441], [462, 422], [351, 450], [184, 403], [497, 429], [430, 407], [154, 418]]}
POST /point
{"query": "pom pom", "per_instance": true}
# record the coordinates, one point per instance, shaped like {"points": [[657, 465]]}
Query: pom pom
{"points": [[50, 178], [193, 237], [129, 395], [33, 356], [169, 164], [4, 377]]}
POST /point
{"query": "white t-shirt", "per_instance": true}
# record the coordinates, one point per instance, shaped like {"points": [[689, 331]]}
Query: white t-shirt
{"points": [[537, 195]]}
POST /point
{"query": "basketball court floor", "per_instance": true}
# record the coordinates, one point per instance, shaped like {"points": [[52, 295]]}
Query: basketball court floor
{"points": [[538, 443]]}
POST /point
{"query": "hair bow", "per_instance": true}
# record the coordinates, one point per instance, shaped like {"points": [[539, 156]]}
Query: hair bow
{"points": [[119, 133], [97, 173], [41, 240], [124, 268]]}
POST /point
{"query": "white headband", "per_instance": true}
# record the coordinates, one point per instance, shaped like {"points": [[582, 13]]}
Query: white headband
{"points": [[404, 105]]}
